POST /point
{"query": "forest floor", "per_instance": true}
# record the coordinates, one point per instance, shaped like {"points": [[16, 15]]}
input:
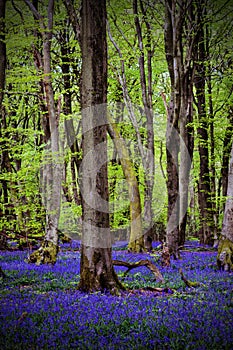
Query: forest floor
{"points": [[41, 308]]}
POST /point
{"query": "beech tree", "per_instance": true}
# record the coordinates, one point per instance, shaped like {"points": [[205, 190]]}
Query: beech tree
{"points": [[144, 49], [97, 272], [180, 45], [136, 240], [204, 185], [52, 174]]}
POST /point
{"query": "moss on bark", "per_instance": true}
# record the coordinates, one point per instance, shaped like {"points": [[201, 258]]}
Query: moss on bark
{"points": [[225, 254], [97, 272], [46, 254]]}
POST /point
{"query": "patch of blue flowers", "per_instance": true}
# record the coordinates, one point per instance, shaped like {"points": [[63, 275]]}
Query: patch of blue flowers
{"points": [[41, 308]]}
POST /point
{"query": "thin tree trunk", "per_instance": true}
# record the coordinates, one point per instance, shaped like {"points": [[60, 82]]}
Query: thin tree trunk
{"points": [[146, 90], [204, 188], [173, 56], [67, 110], [180, 39], [136, 243], [52, 173]]}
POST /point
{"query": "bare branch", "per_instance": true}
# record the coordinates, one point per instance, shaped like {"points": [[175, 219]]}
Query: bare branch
{"points": [[34, 10], [146, 263], [73, 18]]}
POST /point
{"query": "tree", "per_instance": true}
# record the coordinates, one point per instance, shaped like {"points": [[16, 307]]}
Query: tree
{"points": [[135, 76], [225, 249], [145, 67], [204, 187], [97, 272], [136, 241], [52, 173], [180, 41]]}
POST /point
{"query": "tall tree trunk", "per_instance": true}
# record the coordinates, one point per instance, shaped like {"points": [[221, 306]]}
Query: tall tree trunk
{"points": [[67, 110], [172, 141], [225, 249], [47, 253], [97, 272], [132, 117], [204, 189], [179, 36], [212, 141], [146, 91], [136, 243], [186, 151]]}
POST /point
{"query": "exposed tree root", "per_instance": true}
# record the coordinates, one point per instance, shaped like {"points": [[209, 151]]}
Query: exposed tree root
{"points": [[146, 263], [188, 282]]}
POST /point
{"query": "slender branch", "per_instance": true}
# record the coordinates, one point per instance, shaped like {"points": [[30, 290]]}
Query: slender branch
{"points": [[37, 15], [128, 103], [73, 18]]}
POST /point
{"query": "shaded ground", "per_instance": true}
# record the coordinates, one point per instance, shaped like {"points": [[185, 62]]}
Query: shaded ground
{"points": [[40, 307]]}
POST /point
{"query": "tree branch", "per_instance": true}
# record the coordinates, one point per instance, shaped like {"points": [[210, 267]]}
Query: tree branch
{"points": [[146, 263]]}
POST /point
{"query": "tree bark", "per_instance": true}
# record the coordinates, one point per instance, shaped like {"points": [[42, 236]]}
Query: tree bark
{"points": [[67, 109], [204, 188], [179, 36], [52, 172], [136, 243], [97, 272], [225, 249], [227, 141], [146, 91]]}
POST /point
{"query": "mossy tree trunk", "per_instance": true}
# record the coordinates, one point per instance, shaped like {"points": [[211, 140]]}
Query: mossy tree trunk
{"points": [[136, 240], [225, 249], [97, 272]]}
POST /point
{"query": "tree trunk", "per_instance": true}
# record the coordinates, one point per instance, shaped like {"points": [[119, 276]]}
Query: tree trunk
{"points": [[136, 243], [172, 231], [172, 142], [52, 172], [97, 272], [227, 141], [180, 39], [225, 249], [146, 91], [67, 110], [204, 189]]}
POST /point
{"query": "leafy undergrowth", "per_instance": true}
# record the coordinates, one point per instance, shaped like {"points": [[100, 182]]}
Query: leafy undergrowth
{"points": [[41, 308]]}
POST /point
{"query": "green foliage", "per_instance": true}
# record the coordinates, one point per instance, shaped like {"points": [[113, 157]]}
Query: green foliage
{"points": [[22, 135]]}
